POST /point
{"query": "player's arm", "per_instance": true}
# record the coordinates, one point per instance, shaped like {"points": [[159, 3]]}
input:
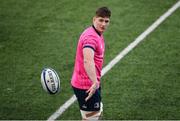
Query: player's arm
{"points": [[89, 66]]}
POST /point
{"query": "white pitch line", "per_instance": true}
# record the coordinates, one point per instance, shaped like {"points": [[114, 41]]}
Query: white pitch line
{"points": [[132, 45]]}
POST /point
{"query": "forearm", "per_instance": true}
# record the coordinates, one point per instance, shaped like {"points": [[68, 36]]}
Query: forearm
{"points": [[90, 70]]}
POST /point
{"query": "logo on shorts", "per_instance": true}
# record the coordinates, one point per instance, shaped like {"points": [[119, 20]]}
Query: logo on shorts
{"points": [[84, 106], [96, 105]]}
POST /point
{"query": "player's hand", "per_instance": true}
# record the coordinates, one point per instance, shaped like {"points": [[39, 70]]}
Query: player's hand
{"points": [[91, 90]]}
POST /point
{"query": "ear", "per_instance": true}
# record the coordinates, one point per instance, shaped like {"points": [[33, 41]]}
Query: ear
{"points": [[94, 18]]}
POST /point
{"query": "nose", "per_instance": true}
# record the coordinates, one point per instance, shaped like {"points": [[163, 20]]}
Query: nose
{"points": [[103, 23]]}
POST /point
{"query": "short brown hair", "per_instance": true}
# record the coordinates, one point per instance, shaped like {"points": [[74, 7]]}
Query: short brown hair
{"points": [[103, 12]]}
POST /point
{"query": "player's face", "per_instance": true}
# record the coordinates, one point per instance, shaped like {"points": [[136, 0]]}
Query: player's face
{"points": [[101, 23]]}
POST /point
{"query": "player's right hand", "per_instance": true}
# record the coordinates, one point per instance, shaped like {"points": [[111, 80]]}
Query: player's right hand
{"points": [[91, 90]]}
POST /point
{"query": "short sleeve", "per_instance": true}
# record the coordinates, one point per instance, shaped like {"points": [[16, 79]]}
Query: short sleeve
{"points": [[90, 42]]}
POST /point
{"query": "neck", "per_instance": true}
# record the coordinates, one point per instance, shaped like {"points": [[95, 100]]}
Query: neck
{"points": [[96, 30]]}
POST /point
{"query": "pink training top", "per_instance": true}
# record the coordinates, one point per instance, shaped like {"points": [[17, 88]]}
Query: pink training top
{"points": [[92, 39]]}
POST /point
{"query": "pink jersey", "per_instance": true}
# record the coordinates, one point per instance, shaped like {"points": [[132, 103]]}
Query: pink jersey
{"points": [[92, 39]]}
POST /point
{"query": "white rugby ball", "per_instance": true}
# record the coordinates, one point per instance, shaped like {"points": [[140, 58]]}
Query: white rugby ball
{"points": [[50, 81]]}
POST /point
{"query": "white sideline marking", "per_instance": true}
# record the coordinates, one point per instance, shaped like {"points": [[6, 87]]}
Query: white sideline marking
{"points": [[69, 102]]}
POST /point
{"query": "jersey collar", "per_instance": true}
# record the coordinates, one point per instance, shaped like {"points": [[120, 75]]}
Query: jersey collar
{"points": [[96, 30]]}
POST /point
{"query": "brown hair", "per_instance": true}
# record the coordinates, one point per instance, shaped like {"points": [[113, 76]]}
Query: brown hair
{"points": [[103, 12]]}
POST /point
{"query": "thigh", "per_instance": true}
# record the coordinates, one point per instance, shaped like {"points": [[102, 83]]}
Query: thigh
{"points": [[93, 104]]}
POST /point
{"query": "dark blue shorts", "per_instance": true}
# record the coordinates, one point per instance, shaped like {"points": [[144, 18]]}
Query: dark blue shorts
{"points": [[93, 104]]}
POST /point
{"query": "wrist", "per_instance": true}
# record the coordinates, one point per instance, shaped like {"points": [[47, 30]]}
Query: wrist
{"points": [[96, 85]]}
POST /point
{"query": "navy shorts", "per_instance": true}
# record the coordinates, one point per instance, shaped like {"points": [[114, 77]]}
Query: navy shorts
{"points": [[93, 104]]}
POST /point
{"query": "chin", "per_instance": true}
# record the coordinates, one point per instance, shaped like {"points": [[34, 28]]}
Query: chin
{"points": [[102, 31]]}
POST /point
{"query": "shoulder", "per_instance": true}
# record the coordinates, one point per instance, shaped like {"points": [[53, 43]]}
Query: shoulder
{"points": [[89, 33], [88, 38]]}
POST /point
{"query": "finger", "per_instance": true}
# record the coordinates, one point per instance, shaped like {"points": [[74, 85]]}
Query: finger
{"points": [[88, 97], [88, 90]]}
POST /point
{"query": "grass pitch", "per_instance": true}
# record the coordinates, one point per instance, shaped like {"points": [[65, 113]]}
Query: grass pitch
{"points": [[37, 34]]}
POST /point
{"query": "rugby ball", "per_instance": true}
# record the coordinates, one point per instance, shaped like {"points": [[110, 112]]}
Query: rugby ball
{"points": [[50, 81]]}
